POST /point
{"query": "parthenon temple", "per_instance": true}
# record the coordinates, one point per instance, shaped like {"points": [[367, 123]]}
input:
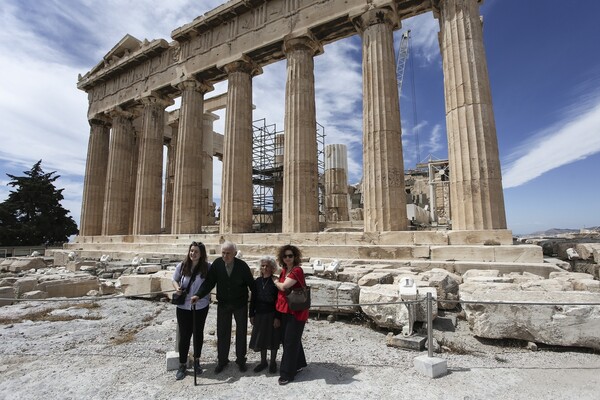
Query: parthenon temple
{"points": [[129, 201]]}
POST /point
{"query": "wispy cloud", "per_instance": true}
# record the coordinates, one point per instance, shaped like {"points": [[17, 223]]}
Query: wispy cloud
{"points": [[574, 138], [43, 47], [424, 30]]}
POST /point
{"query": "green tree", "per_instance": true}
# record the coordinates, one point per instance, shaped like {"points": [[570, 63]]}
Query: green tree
{"points": [[32, 215]]}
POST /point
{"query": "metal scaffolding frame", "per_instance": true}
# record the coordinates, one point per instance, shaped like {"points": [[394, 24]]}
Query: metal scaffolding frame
{"points": [[321, 169], [266, 174]]}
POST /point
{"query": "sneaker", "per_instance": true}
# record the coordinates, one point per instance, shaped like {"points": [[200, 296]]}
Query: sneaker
{"points": [[260, 366], [180, 372], [221, 366], [299, 369], [273, 367]]}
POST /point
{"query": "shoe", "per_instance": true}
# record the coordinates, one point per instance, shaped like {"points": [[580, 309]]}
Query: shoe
{"points": [[299, 369], [221, 366], [283, 381], [273, 367], [197, 367], [243, 367], [180, 372], [260, 366]]}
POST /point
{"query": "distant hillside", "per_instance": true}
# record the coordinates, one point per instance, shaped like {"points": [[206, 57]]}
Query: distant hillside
{"points": [[554, 232], [559, 231]]}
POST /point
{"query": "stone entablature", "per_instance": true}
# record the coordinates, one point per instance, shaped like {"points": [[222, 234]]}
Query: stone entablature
{"points": [[253, 28]]}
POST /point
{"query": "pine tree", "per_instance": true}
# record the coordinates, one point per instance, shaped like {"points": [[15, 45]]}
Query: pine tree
{"points": [[32, 215]]}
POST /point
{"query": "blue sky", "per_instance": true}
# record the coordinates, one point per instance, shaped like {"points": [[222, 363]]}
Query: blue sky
{"points": [[543, 61]]}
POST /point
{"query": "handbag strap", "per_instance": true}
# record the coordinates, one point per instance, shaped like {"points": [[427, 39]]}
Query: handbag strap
{"points": [[298, 280], [194, 273]]}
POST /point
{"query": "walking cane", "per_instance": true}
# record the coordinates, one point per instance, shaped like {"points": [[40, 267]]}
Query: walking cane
{"points": [[195, 340]]}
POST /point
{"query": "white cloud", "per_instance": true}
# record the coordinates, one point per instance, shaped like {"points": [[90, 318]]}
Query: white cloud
{"points": [[424, 30], [573, 139]]}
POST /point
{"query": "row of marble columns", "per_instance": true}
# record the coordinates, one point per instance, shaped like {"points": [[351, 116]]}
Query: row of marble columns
{"points": [[477, 191]]}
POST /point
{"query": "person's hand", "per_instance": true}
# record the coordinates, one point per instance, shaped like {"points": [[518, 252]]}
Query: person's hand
{"points": [[252, 321], [195, 299], [276, 323]]}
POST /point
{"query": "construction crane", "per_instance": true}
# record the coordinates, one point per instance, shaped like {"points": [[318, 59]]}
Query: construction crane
{"points": [[403, 53], [402, 57]]}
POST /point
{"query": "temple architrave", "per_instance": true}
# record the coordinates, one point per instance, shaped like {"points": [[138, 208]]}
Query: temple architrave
{"points": [[125, 192]]}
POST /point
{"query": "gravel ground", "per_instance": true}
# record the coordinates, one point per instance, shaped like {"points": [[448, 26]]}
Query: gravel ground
{"points": [[115, 349]]}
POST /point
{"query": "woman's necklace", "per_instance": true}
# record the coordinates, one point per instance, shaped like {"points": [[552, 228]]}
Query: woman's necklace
{"points": [[265, 282]]}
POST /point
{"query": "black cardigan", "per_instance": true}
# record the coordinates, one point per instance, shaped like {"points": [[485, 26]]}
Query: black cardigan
{"points": [[231, 290]]}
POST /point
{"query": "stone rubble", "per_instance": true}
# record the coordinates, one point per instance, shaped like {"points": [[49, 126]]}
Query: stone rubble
{"points": [[363, 282]]}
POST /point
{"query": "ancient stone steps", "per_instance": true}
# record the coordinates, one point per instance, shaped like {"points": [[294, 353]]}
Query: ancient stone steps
{"points": [[456, 251], [440, 238], [479, 253]]}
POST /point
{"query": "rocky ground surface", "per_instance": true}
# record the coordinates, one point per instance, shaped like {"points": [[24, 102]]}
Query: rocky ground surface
{"points": [[115, 349]]}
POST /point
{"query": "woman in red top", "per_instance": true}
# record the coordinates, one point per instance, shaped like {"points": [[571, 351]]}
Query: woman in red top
{"points": [[292, 322]]}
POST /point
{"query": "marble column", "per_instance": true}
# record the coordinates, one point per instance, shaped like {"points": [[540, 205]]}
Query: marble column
{"points": [[116, 216], [94, 184], [187, 188], [336, 183], [278, 182], [133, 168], [476, 197], [383, 164], [300, 170], [148, 192], [171, 145], [236, 191], [207, 169]]}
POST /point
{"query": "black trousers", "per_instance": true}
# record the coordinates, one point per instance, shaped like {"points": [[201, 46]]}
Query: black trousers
{"points": [[293, 357], [186, 329], [224, 314]]}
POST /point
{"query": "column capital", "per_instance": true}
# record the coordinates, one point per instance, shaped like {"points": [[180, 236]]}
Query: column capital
{"points": [[244, 64], [375, 16], [194, 84], [437, 5], [305, 41], [100, 119], [152, 98], [119, 111]]}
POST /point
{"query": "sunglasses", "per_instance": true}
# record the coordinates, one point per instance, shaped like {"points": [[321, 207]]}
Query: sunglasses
{"points": [[197, 244], [288, 256]]}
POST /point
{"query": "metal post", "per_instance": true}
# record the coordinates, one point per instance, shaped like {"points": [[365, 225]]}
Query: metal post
{"points": [[429, 325], [194, 342]]}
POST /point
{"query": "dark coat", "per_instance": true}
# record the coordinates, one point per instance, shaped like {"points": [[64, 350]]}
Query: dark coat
{"points": [[232, 291]]}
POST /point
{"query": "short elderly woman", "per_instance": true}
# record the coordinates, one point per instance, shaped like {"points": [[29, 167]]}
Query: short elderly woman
{"points": [[266, 321]]}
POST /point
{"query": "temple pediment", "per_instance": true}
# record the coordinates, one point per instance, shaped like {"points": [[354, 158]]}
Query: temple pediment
{"points": [[126, 54], [124, 47]]}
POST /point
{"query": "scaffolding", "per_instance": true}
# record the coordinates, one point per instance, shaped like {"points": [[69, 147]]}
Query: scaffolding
{"points": [[321, 169], [267, 174]]}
